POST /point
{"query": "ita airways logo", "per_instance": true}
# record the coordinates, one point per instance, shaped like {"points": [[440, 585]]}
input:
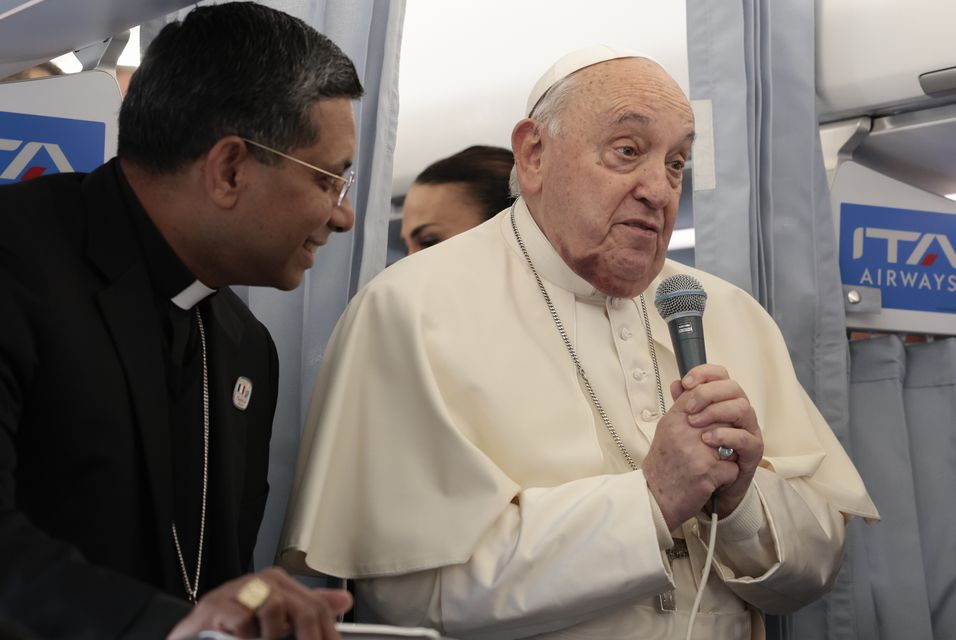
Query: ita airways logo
{"points": [[910, 255], [32, 146]]}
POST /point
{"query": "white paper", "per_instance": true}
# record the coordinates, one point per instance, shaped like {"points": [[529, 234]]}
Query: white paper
{"points": [[355, 632]]}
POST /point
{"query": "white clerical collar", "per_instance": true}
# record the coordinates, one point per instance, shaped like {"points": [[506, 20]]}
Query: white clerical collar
{"points": [[192, 295], [546, 259]]}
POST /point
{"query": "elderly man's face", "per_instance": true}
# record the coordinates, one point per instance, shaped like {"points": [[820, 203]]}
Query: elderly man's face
{"points": [[611, 178]]}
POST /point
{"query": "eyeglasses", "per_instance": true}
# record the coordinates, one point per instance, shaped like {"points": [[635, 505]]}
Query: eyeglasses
{"points": [[347, 181]]}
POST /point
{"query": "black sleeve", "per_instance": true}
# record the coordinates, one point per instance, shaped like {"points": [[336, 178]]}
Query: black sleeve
{"points": [[256, 487], [46, 586], [49, 589]]}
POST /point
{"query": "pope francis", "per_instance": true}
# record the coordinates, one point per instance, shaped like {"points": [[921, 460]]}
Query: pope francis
{"points": [[499, 444]]}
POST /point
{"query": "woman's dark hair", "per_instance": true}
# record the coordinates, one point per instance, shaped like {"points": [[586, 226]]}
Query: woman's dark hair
{"points": [[238, 68], [483, 170]]}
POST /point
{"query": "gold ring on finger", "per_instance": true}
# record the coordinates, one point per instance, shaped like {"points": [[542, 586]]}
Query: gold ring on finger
{"points": [[253, 593]]}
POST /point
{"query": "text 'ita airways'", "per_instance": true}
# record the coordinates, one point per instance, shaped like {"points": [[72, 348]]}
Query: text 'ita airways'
{"points": [[908, 279]]}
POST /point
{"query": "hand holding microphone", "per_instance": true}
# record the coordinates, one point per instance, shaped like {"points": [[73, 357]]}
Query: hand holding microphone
{"points": [[708, 407], [680, 300]]}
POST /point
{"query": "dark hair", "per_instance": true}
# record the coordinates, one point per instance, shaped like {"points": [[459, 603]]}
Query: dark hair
{"points": [[483, 170], [231, 69]]}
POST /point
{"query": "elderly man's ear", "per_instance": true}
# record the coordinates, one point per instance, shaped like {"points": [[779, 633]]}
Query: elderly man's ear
{"points": [[527, 146]]}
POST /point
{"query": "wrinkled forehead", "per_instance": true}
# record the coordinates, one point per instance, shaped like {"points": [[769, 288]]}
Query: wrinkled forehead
{"points": [[640, 73], [628, 84]]}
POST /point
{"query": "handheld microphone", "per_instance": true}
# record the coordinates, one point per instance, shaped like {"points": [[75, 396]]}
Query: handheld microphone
{"points": [[680, 300]]}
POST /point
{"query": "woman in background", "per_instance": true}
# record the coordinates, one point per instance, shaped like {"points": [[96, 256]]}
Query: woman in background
{"points": [[455, 194]]}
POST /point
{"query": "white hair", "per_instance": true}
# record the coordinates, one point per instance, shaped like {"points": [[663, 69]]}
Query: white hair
{"points": [[547, 113]]}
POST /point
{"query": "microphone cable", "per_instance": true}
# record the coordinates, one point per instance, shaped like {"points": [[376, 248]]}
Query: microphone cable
{"points": [[707, 564]]}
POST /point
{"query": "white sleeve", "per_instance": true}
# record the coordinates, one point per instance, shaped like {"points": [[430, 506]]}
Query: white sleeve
{"points": [[787, 551], [744, 540], [560, 556]]}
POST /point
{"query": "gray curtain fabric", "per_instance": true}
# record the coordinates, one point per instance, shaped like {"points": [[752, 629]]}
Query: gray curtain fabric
{"points": [[716, 46], [765, 224], [894, 567], [369, 31], [301, 321], [901, 572], [929, 396]]}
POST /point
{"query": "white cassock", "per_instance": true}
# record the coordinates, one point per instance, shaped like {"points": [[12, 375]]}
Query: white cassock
{"points": [[453, 463]]}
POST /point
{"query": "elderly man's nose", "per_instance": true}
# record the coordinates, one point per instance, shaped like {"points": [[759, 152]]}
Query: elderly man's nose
{"points": [[653, 186]]}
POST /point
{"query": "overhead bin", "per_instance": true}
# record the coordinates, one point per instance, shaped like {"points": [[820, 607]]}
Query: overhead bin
{"points": [[877, 57], [33, 31]]}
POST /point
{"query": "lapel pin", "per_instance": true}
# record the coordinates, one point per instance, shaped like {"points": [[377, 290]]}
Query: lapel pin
{"points": [[241, 393]]}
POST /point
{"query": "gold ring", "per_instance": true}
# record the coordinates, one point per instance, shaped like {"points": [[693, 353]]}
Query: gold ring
{"points": [[253, 593]]}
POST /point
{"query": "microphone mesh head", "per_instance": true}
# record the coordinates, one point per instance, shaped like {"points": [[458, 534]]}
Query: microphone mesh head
{"points": [[680, 295]]}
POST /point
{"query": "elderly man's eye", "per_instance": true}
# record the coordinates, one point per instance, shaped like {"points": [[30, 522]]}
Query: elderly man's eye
{"points": [[626, 150], [677, 165]]}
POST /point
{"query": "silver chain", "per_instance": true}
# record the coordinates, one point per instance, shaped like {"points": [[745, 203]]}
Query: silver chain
{"points": [[650, 347], [574, 356], [192, 588]]}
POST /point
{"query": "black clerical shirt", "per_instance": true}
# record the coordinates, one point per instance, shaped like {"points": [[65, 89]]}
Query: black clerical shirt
{"points": [[183, 359]]}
